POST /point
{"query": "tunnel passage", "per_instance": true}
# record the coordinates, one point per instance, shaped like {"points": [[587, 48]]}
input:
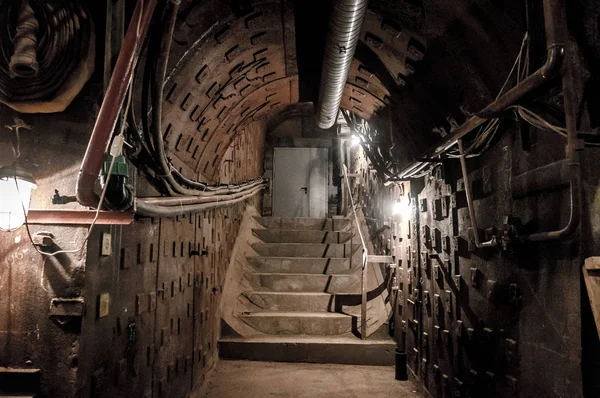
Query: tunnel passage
{"points": [[230, 66], [242, 74]]}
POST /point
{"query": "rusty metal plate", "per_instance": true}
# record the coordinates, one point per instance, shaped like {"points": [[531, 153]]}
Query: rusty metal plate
{"points": [[127, 277], [174, 301]]}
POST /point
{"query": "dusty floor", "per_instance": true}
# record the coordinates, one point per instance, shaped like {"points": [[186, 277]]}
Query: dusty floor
{"points": [[269, 379]]}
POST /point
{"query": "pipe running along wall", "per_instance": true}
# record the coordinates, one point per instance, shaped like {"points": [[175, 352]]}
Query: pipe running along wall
{"points": [[113, 102], [168, 207], [345, 24], [554, 23], [190, 199]]}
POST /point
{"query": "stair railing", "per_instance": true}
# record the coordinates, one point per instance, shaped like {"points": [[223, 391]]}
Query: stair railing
{"points": [[365, 256]]}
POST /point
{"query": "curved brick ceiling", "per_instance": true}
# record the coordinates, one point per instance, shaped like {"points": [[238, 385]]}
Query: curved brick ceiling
{"points": [[236, 62]]}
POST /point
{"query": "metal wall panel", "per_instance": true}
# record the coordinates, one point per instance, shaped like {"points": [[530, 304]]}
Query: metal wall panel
{"points": [[174, 305], [120, 293], [480, 323]]}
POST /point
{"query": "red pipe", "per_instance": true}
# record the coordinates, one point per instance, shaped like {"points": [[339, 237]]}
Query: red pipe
{"points": [[113, 102], [78, 217]]}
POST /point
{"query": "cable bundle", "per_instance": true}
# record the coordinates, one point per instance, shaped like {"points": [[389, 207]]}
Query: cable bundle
{"points": [[148, 152]]}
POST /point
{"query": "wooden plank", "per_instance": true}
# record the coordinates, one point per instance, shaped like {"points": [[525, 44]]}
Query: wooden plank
{"points": [[592, 263], [592, 283]]}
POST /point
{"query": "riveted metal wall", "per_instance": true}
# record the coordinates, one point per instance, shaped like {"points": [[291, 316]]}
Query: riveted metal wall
{"points": [[117, 342], [29, 337], [480, 323], [153, 292], [174, 307]]}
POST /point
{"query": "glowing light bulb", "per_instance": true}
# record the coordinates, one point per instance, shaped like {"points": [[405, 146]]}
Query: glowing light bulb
{"points": [[401, 207], [397, 209], [355, 140], [15, 195]]}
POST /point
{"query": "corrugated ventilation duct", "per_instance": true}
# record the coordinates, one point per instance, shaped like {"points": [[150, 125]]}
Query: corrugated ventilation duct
{"points": [[344, 30]]}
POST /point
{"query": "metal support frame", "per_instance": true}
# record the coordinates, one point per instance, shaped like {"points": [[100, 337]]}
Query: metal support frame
{"points": [[365, 257]]}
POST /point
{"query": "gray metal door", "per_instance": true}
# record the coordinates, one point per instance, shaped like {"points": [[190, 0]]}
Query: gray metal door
{"points": [[300, 182]]}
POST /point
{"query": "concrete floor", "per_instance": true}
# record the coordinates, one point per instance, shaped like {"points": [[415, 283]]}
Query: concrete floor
{"points": [[274, 379]]}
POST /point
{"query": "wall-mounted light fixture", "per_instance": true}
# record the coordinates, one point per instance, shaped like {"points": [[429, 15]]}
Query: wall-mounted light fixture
{"points": [[15, 194], [401, 207]]}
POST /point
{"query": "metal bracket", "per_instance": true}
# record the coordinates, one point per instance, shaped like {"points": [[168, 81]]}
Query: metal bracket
{"points": [[66, 309], [380, 259]]}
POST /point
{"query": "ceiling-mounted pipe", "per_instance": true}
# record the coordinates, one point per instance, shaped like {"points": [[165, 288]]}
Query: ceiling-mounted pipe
{"points": [[554, 23], [344, 30], [113, 102]]}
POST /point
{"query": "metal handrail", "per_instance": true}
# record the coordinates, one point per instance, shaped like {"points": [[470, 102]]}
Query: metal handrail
{"points": [[365, 256]]}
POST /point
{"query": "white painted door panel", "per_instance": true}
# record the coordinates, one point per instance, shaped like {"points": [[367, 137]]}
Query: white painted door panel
{"points": [[300, 182]]}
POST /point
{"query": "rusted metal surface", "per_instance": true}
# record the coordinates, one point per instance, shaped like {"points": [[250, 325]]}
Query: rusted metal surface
{"points": [[124, 277], [215, 237], [398, 47], [163, 281], [29, 338], [469, 318], [174, 307]]}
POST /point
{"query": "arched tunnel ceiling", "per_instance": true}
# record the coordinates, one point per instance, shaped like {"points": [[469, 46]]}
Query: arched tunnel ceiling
{"points": [[423, 64]]}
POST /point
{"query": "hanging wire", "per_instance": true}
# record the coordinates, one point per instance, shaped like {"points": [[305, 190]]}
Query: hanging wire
{"points": [[120, 136]]}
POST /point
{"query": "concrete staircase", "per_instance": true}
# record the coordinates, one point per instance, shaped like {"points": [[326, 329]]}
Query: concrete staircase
{"points": [[301, 275]]}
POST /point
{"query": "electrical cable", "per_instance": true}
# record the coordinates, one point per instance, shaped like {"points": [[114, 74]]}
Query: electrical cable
{"points": [[152, 157], [116, 148]]}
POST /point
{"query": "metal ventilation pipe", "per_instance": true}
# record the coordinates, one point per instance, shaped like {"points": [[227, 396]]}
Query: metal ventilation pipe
{"points": [[344, 30]]}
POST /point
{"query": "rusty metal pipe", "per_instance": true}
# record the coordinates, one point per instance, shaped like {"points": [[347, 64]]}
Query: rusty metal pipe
{"points": [[78, 217], [551, 176], [554, 23], [113, 102], [573, 160]]}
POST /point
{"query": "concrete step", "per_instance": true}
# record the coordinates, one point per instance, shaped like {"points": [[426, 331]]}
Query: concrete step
{"points": [[298, 265], [292, 301], [287, 282], [301, 236], [339, 350], [319, 224], [332, 250], [303, 323]]}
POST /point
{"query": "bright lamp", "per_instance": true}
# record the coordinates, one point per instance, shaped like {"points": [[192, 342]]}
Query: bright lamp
{"points": [[402, 207], [15, 194]]}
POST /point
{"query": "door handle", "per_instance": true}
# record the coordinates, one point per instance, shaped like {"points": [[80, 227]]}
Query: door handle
{"points": [[305, 189]]}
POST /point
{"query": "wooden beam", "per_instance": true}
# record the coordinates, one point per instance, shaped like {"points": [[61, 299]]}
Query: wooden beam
{"points": [[591, 275]]}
